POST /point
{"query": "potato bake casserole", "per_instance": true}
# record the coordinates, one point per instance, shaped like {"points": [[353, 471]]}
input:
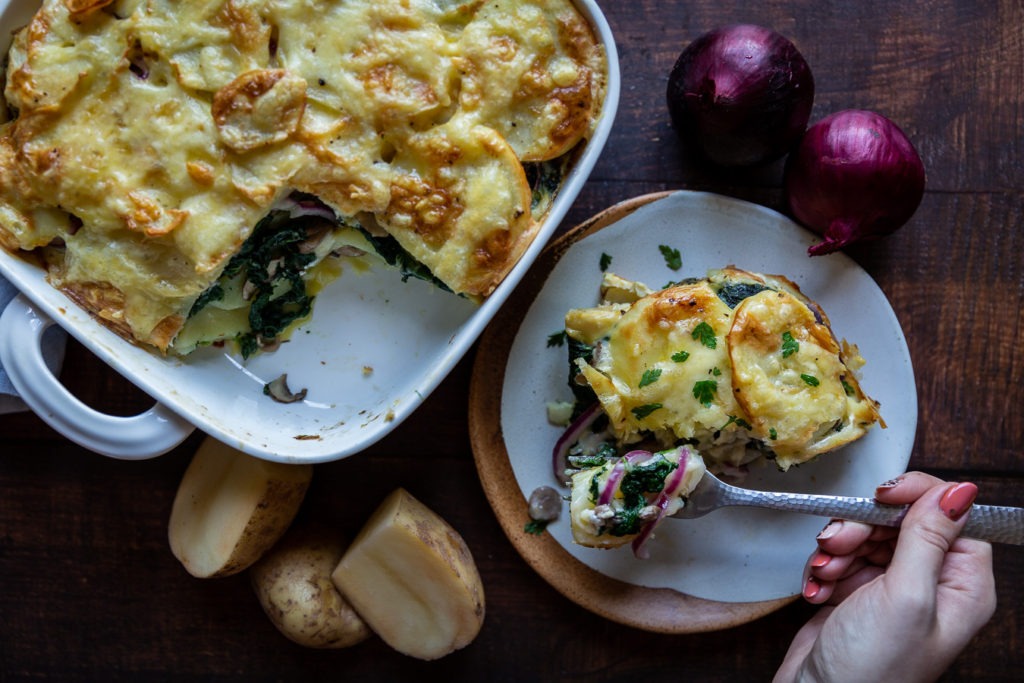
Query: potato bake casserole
{"points": [[193, 172]]}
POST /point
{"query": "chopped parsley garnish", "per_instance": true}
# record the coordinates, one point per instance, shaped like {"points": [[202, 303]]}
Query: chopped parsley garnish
{"points": [[681, 356], [705, 334], [640, 412], [738, 421], [535, 527], [716, 372], [606, 261], [557, 339], [772, 434], [810, 380], [672, 257], [704, 391], [848, 388], [651, 376], [789, 345]]}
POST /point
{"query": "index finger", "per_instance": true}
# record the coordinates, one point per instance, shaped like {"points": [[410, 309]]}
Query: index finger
{"points": [[906, 488], [926, 535]]}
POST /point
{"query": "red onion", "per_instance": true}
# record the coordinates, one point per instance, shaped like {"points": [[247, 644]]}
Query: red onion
{"points": [[611, 485], [560, 453], [670, 490], [854, 177], [637, 457], [298, 206], [741, 94]]}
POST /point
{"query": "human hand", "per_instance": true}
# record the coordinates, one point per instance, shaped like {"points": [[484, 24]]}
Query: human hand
{"points": [[898, 604]]}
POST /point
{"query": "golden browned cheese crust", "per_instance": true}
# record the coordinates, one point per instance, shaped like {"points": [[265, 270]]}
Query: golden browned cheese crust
{"points": [[148, 138], [725, 362]]}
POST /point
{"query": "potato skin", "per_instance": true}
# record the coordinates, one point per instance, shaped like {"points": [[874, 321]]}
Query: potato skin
{"points": [[293, 584], [268, 523]]}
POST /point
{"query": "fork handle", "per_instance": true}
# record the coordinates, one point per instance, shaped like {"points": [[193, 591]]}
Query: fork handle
{"points": [[993, 523]]}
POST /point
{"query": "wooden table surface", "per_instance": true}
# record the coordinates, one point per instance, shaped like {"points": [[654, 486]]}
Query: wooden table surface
{"points": [[90, 591]]}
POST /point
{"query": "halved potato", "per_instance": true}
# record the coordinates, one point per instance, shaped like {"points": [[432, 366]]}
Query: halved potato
{"points": [[412, 578], [293, 584], [231, 507]]}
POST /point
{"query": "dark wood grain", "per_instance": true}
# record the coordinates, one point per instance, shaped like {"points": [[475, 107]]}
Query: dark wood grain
{"points": [[91, 591]]}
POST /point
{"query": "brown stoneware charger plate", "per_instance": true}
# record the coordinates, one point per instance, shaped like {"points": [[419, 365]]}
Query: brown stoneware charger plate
{"points": [[735, 565]]}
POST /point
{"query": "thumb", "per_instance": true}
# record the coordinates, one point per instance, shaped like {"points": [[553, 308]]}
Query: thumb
{"points": [[929, 529]]}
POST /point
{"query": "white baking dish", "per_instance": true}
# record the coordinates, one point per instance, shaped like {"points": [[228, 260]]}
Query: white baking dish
{"points": [[372, 352]]}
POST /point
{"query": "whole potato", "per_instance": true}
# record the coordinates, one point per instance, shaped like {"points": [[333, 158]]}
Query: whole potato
{"points": [[294, 587]]}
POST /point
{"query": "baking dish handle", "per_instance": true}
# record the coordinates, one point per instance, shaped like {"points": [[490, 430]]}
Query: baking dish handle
{"points": [[136, 437]]}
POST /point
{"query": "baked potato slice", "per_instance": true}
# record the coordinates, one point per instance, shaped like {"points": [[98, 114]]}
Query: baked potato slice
{"points": [[789, 378], [533, 70]]}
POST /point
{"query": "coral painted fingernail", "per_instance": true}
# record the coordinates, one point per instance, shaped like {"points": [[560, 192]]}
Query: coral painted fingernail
{"points": [[956, 501], [811, 588], [831, 529], [820, 559]]}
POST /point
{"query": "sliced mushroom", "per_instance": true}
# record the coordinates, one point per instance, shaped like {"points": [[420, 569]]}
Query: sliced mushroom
{"points": [[315, 234], [278, 390], [545, 504], [249, 289]]}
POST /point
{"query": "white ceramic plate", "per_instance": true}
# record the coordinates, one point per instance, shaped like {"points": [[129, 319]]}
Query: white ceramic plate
{"points": [[373, 350], [731, 555]]}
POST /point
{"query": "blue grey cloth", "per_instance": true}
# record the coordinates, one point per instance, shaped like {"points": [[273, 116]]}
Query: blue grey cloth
{"points": [[54, 341]]}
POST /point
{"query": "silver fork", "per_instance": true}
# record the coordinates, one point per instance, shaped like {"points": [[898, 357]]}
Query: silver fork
{"points": [[997, 524]]}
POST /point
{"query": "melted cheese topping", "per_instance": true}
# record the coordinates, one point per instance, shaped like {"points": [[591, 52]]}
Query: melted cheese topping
{"points": [[681, 364], [643, 343], [800, 401], [533, 54], [150, 137]]}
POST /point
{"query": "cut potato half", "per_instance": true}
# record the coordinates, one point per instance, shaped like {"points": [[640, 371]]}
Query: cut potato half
{"points": [[231, 508], [412, 578]]}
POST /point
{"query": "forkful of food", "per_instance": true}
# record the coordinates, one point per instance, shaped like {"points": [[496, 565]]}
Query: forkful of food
{"points": [[623, 500]]}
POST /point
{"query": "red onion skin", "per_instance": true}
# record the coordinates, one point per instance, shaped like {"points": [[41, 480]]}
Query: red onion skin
{"points": [[854, 177], [741, 94], [560, 453]]}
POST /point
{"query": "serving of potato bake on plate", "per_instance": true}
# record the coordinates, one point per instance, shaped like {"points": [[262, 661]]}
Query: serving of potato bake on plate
{"points": [[653, 330], [301, 217]]}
